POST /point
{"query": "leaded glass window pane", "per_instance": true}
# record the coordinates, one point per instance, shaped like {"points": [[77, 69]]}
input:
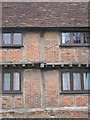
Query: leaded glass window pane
{"points": [[16, 81], [76, 81], [65, 38], [66, 81], [6, 81]]}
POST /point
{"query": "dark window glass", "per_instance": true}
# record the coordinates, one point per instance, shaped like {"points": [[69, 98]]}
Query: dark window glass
{"points": [[66, 81], [76, 37], [86, 38], [65, 38], [86, 76], [6, 81], [6, 38], [17, 38], [76, 81]]}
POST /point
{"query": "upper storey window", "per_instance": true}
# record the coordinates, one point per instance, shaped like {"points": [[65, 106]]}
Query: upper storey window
{"points": [[65, 38], [6, 38], [75, 38], [12, 39], [87, 37]]}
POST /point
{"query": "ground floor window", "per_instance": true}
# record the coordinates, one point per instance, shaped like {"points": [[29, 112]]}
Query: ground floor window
{"points": [[75, 81], [11, 81]]}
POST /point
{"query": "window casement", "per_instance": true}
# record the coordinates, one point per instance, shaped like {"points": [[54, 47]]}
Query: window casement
{"points": [[11, 81], [75, 82], [12, 39], [75, 39]]}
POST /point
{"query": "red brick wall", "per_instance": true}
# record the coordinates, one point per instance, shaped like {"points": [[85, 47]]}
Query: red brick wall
{"points": [[52, 51], [74, 100], [75, 55], [30, 51], [51, 46], [32, 46], [67, 101], [32, 89], [51, 88], [31, 96], [12, 101], [81, 100]]}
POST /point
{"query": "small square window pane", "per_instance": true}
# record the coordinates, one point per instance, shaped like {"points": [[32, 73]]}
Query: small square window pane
{"points": [[16, 81], [76, 37], [87, 37], [6, 81], [17, 39], [65, 38], [66, 81], [76, 81], [86, 81], [6, 38]]}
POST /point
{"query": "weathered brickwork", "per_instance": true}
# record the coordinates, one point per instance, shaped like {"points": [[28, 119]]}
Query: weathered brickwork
{"points": [[51, 88], [67, 101], [33, 94], [82, 100], [75, 55], [32, 46], [45, 114], [74, 100], [51, 46], [41, 92], [32, 89], [6, 102], [12, 102], [52, 52]]}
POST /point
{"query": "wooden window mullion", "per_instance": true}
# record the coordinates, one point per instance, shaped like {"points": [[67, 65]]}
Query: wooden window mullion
{"points": [[11, 81], [82, 81], [82, 38], [12, 35], [2, 81], [19, 82], [22, 38], [61, 82], [71, 80], [71, 38]]}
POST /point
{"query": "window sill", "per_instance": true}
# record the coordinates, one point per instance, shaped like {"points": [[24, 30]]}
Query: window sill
{"points": [[15, 92], [11, 46], [75, 92], [75, 45]]}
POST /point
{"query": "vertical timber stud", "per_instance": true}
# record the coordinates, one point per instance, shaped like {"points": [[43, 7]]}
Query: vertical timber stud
{"points": [[42, 46], [42, 88], [59, 89]]}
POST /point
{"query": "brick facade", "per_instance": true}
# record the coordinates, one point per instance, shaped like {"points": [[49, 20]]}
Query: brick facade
{"points": [[35, 93], [52, 51], [40, 86]]}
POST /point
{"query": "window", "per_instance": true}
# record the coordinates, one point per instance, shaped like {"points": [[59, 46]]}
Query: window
{"points": [[75, 81], [86, 77], [6, 38], [65, 38], [66, 81], [75, 38], [11, 81], [7, 81], [87, 37], [12, 39]]}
